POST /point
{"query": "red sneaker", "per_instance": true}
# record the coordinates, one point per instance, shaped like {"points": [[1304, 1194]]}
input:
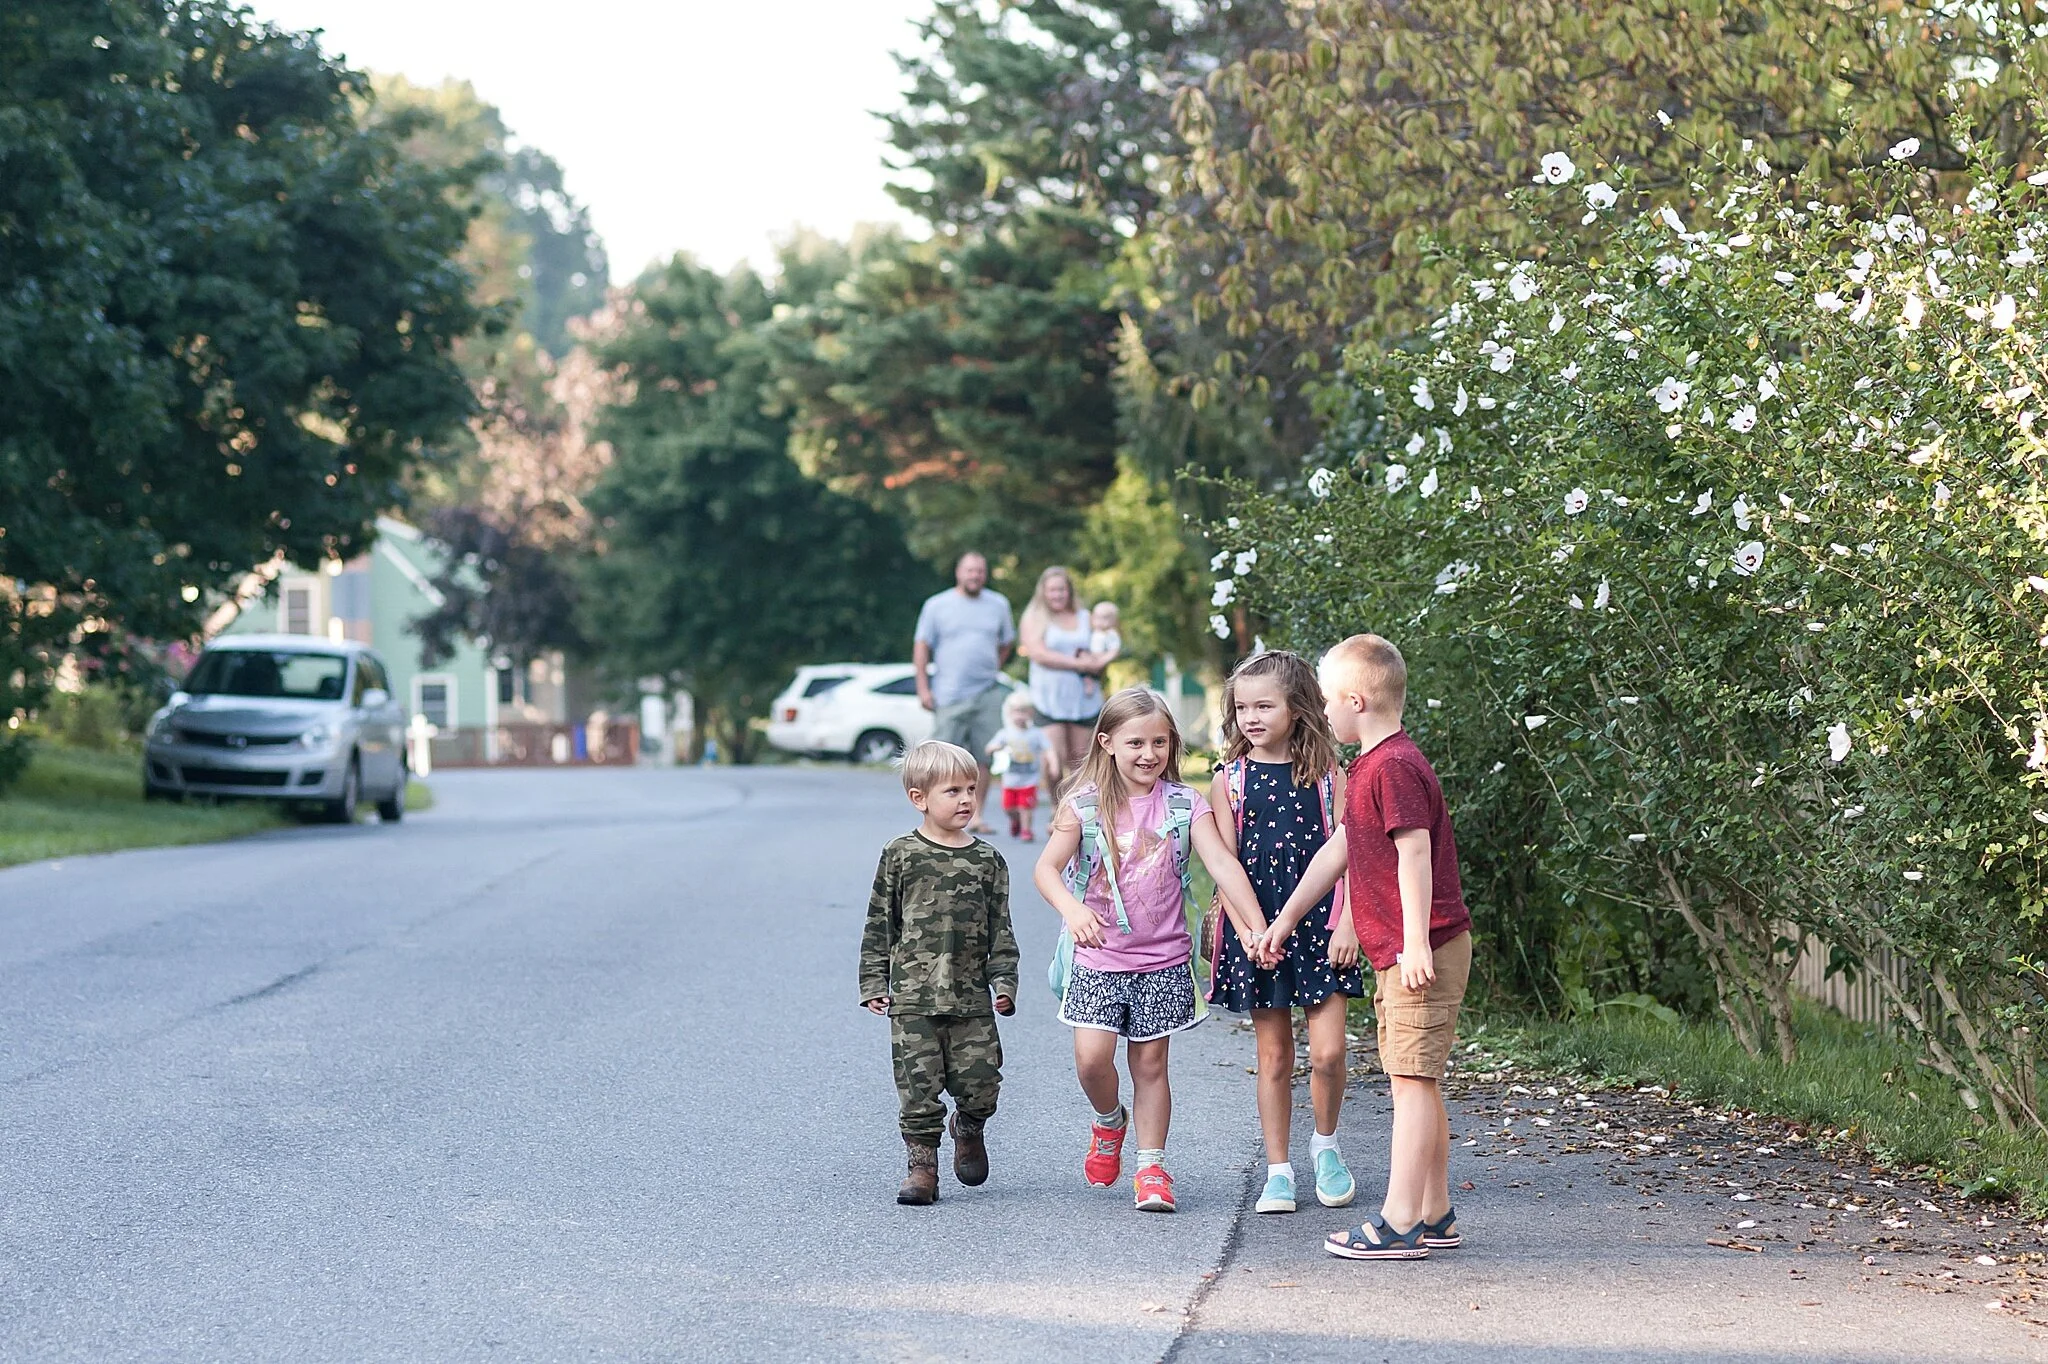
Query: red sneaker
{"points": [[1155, 1189], [1105, 1161]]}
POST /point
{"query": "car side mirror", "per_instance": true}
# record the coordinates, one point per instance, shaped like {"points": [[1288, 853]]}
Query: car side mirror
{"points": [[375, 697]]}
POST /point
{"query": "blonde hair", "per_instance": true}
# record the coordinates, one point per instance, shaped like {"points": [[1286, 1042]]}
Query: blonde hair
{"points": [[1017, 703], [934, 760], [1036, 610], [1309, 742], [1099, 769], [1374, 668]]}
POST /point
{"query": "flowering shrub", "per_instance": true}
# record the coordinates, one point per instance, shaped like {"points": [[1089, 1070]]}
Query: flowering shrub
{"points": [[1717, 550]]}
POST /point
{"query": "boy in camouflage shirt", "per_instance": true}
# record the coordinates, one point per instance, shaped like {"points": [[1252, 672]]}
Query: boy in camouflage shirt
{"points": [[937, 946]]}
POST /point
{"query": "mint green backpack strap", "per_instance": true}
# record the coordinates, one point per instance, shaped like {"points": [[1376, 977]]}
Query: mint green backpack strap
{"points": [[1180, 821]]}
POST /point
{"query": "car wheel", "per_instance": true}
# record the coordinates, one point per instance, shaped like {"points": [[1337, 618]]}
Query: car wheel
{"points": [[342, 810], [877, 746], [391, 809]]}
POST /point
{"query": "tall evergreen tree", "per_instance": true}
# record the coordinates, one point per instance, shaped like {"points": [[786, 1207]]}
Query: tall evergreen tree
{"points": [[722, 566]]}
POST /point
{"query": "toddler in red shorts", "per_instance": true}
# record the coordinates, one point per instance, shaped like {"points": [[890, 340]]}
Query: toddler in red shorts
{"points": [[1023, 756], [1396, 847]]}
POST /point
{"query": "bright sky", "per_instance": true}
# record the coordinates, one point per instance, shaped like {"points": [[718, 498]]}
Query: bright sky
{"points": [[708, 126]]}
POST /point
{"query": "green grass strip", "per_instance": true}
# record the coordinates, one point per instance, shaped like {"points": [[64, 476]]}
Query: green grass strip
{"points": [[1855, 1084], [73, 801]]}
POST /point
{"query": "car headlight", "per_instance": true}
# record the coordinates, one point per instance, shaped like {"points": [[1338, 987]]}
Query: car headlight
{"points": [[319, 736]]}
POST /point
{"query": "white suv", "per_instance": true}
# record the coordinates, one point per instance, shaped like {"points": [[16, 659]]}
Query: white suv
{"points": [[864, 711]]}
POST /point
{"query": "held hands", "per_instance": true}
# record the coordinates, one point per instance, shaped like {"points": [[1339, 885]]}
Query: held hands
{"points": [[1418, 966], [878, 1005]]}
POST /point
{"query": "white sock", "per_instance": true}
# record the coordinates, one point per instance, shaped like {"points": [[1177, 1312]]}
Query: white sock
{"points": [[1152, 1158], [1285, 1167], [1113, 1118], [1319, 1143]]}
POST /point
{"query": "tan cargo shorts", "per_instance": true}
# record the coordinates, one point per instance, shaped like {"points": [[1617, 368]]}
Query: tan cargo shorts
{"points": [[1418, 1027]]}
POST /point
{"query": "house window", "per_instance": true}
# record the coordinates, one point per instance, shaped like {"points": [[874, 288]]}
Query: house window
{"points": [[433, 695], [298, 610]]}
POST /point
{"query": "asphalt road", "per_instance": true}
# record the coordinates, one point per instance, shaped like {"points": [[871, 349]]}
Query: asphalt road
{"points": [[570, 1067]]}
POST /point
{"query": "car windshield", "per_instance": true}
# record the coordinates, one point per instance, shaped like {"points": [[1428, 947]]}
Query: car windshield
{"points": [[288, 673]]}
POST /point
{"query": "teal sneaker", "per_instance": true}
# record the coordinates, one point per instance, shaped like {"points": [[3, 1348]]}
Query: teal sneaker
{"points": [[1278, 1195], [1334, 1186]]}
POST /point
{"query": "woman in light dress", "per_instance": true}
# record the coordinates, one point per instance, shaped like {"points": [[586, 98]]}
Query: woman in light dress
{"points": [[1065, 677]]}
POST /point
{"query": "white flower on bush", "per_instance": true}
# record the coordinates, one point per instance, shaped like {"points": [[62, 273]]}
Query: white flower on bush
{"points": [[1414, 446], [1556, 321], [1601, 196], [1556, 168], [1397, 477], [1670, 267], [1669, 217], [1452, 574], [1743, 419], [1942, 493], [1503, 360], [1535, 722], [1522, 284], [1906, 150], [1863, 306], [1828, 301], [1748, 558], [1671, 394], [1704, 503], [1419, 390], [1222, 558], [1914, 875], [1576, 501], [1569, 372], [1463, 401], [2003, 313], [1221, 626], [1321, 481], [1472, 500], [1741, 510], [1838, 742], [1602, 595], [1574, 603], [1443, 441], [1226, 588], [1483, 289], [2022, 258], [2038, 758], [1910, 313], [1429, 484], [1243, 563]]}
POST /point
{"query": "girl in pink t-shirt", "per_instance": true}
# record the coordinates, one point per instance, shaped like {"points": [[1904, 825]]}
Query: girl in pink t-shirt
{"points": [[1133, 974]]}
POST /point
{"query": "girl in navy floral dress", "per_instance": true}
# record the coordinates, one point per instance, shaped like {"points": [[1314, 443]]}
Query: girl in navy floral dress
{"points": [[1277, 797]]}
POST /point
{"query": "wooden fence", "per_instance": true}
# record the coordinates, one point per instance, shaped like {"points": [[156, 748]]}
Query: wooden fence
{"points": [[1857, 995], [530, 745]]}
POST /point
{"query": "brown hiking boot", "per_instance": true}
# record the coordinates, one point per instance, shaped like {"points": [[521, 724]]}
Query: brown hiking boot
{"points": [[921, 1184], [970, 1153]]}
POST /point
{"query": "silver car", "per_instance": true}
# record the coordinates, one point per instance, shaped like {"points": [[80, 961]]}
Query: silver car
{"points": [[282, 717]]}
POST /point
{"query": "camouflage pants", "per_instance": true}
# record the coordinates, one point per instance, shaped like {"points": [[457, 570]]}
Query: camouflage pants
{"points": [[936, 1054]]}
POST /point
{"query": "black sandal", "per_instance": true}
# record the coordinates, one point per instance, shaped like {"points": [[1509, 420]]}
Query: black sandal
{"points": [[1375, 1240], [1442, 1234]]}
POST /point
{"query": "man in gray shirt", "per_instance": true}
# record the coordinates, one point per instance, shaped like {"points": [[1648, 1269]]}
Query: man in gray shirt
{"points": [[966, 634]]}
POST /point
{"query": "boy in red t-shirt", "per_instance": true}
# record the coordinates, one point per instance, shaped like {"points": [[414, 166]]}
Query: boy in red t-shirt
{"points": [[1396, 845]]}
